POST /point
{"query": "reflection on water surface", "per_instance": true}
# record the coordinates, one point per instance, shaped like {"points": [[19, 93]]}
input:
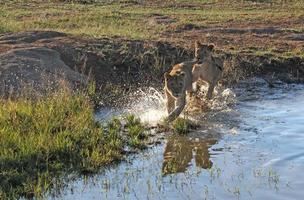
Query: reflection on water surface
{"points": [[180, 150], [251, 150]]}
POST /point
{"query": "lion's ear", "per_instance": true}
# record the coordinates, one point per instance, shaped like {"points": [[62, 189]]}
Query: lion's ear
{"points": [[211, 47], [166, 75], [197, 44]]}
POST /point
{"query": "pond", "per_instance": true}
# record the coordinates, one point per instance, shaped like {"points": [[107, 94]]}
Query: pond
{"points": [[252, 148]]}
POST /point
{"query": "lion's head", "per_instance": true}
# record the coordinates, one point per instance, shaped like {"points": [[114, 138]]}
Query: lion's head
{"points": [[175, 83], [203, 50]]}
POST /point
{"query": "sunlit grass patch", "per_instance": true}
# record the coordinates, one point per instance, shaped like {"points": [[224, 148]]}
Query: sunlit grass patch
{"points": [[90, 20], [43, 138], [135, 130], [183, 126], [118, 18]]}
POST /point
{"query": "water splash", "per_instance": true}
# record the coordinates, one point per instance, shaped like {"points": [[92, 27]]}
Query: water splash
{"points": [[148, 104], [223, 97], [221, 100]]}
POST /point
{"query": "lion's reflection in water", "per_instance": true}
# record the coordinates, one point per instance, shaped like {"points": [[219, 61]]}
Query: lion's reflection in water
{"points": [[180, 150]]}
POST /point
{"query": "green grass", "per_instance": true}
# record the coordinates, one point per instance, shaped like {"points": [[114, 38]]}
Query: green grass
{"points": [[132, 20], [41, 140], [93, 21], [135, 131], [137, 20], [183, 126]]}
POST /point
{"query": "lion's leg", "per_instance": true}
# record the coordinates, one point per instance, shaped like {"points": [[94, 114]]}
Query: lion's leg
{"points": [[170, 104], [194, 86], [190, 92], [210, 90], [180, 104]]}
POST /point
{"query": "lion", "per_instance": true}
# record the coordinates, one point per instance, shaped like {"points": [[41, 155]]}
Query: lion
{"points": [[179, 81], [209, 68]]}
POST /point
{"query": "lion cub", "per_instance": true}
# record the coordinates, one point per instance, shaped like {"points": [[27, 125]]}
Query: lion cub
{"points": [[209, 68], [179, 80]]}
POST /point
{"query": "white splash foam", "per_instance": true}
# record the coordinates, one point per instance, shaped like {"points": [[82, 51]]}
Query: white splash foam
{"points": [[147, 104], [221, 98]]}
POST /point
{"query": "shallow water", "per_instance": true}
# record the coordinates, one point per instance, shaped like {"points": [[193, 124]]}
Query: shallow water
{"points": [[253, 149], [147, 104]]}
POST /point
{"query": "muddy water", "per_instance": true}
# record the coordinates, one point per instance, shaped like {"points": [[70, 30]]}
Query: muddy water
{"points": [[252, 149]]}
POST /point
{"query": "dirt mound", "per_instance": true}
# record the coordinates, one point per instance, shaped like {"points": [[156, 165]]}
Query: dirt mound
{"points": [[37, 68], [29, 37], [43, 59]]}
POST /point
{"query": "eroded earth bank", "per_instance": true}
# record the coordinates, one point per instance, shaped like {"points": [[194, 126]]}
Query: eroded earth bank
{"points": [[42, 60]]}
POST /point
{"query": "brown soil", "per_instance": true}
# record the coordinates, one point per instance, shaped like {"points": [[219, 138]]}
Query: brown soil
{"points": [[36, 68], [114, 64], [118, 65], [280, 36], [160, 19]]}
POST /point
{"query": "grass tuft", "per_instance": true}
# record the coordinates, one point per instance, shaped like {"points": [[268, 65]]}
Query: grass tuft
{"points": [[182, 125], [44, 138], [135, 131]]}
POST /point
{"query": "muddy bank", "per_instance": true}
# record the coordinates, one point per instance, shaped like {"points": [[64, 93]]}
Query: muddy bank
{"points": [[118, 65]]}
